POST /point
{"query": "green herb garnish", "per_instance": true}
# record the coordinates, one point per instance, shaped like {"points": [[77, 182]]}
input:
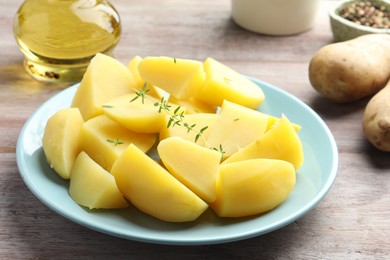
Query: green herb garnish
{"points": [[115, 142]]}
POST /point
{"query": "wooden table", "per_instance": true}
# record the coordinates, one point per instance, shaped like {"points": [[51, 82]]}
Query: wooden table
{"points": [[352, 222]]}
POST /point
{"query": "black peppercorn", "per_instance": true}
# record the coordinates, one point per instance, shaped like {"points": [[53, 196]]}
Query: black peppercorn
{"points": [[366, 13]]}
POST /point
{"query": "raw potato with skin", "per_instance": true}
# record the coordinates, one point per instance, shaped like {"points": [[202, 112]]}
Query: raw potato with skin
{"points": [[348, 71], [376, 119]]}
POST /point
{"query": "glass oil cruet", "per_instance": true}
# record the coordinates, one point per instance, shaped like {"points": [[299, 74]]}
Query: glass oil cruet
{"points": [[60, 37]]}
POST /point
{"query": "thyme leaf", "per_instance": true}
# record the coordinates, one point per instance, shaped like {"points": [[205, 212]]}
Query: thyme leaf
{"points": [[141, 93], [220, 150], [115, 142]]}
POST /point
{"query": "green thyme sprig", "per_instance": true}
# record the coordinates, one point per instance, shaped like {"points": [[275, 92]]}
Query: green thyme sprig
{"points": [[189, 127], [164, 105], [177, 118], [200, 134], [115, 142], [220, 150], [141, 93]]}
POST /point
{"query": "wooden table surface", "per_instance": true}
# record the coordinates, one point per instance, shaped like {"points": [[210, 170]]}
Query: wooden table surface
{"points": [[352, 221]]}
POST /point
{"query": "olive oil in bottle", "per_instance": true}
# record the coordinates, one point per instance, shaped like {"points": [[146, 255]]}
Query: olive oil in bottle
{"points": [[60, 37]]}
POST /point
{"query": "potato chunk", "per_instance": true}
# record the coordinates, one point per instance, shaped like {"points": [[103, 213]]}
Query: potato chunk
{"points": [[93, 187], [194, 105], [196, 121], [60, 140], [104, 79], [251, 187], [223, 83], [153, 190], [140, 82], [236, 127], [133, 67], [180, 77], [273, 119], [104, 140], [280, 142], [195, 166], [140, 115]]}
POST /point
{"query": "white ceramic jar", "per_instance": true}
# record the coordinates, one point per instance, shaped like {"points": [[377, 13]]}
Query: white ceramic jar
{"points": [[275, 17]]}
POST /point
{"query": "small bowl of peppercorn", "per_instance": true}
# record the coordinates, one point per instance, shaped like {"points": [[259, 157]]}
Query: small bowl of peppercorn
{"points": [[354, 18]]}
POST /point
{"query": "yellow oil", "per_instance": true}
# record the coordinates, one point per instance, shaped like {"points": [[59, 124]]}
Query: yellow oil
{"points": [[59, 37]]}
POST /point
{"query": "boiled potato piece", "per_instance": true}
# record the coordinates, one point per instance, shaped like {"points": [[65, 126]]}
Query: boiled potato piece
{"points": [[140, 82], [273, 119], [104, 140], [133, 67], [251, 187], [104, 79], [236, 127], [223, 83], [197, 122], [137, 114], [280, 142], [156, 92], [60, 140], [180, 77], [153, 190], [93, 187], [195, 166], [193, 105]]}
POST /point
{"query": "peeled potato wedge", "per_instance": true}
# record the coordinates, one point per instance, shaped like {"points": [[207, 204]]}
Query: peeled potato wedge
{"points": [[280, 142], [137, 114], [252, 187], [222, 82], [104, 140], [180, 77], [104, 79], [236, 127], [153, 190], [60, 140], [195, 166], [93, 187]]}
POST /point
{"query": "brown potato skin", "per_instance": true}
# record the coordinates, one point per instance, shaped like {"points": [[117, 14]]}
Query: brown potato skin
{"points": [[348, 71], [376, 119]]}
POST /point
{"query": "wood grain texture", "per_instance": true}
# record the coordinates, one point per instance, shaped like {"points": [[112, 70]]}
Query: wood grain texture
{"points": [[352, 222]]}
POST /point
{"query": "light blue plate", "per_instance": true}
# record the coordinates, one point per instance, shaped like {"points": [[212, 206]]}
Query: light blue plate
{"points": [[314, 179]]}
